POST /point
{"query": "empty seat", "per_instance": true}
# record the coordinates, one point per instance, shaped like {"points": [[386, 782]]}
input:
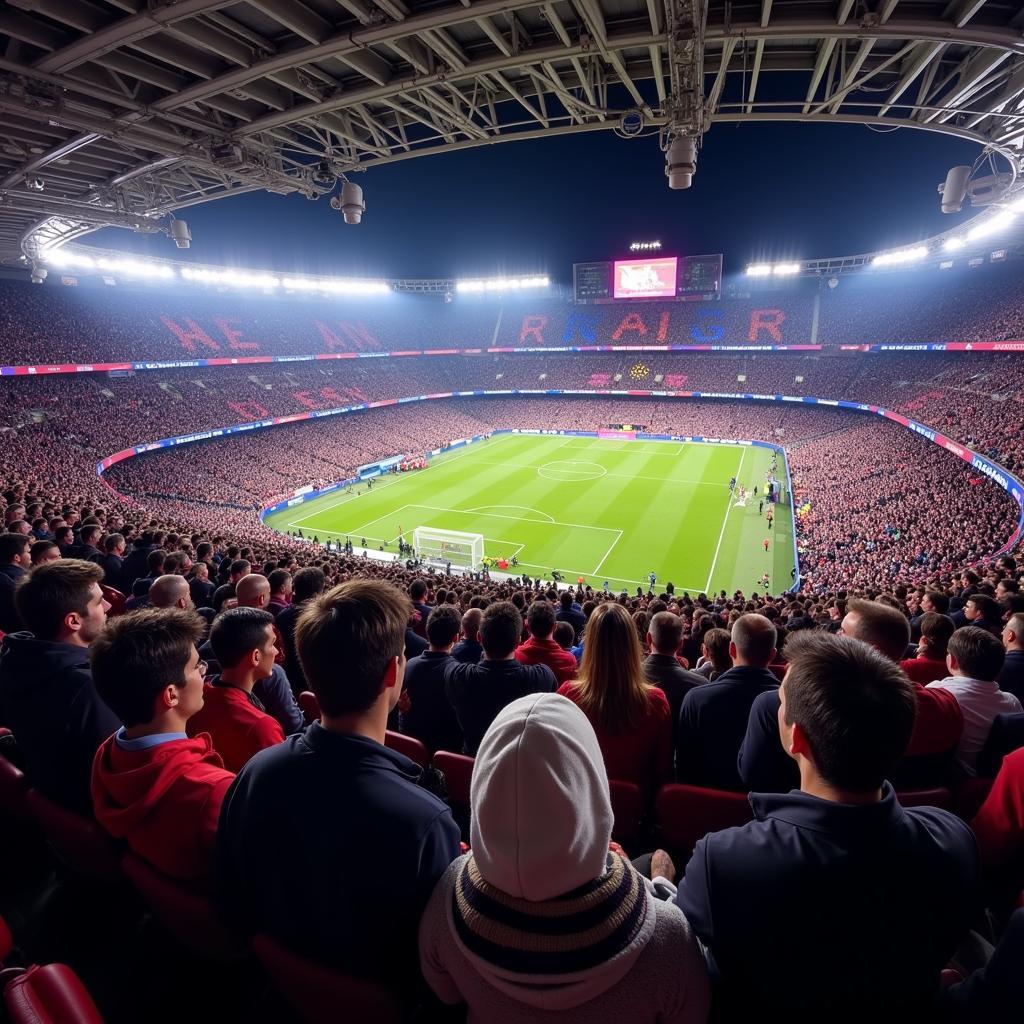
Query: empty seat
{"points": [[458, 773], [78, 842], [189, 915], [408, 745], [321, 995], [628, 807], [688, 813]]}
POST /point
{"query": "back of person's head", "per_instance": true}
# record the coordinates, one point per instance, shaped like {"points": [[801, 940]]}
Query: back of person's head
{"points": [[978, 654], [240, 567], [139, 655], [13, 545], [168, 590], [471, 622], [540, 617], [937, 629], [237, 632], [565, 599], [91, 535], [112, 541], [155, 561], [308, 583], [417, 591], [51, 592], [346, 640], [443, 625], [279, 580], [1013, 631], [611, 687], [754, 638], [500, 629], [882, 627], [666, 632], [564, 635], [541, 814], [253, 591], [853, 705], [717, 641]]}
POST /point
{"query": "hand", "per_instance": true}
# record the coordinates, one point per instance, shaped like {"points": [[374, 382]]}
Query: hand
{"points": [[662, 866]]}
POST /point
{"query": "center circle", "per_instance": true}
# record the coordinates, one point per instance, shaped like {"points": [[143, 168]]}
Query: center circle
{"points": [[571, 472]]}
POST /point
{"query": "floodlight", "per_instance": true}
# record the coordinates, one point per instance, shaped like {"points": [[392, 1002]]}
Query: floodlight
{"points": [[786, 269], [350, 202], [954, 243], [180, 234], [1016, 207], [886, 259], [681, 162], [991, 225], [759, 269], [39, 273], [954, 189]]}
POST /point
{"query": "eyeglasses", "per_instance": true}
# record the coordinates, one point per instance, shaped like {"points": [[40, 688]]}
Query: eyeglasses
{"points": [[201, 667]]}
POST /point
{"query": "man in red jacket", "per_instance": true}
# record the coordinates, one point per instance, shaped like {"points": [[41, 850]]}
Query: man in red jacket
{"points": [[243, 643], [151, 784], [542, 648]]}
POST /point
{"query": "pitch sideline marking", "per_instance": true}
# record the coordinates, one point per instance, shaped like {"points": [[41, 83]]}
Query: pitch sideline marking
{"points": [[725, 522], [606, 554]]}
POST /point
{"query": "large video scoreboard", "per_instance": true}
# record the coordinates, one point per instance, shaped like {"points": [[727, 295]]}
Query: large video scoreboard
{"points": [[654, 277]]}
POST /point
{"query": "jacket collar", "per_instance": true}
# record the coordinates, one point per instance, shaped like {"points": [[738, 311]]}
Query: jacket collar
{"points": [[351, 746], [748, 675], [818, 815]]}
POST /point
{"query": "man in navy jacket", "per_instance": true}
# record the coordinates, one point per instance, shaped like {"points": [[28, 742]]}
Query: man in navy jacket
{"points": [[356, 843], [713, 718], [835, 902]]}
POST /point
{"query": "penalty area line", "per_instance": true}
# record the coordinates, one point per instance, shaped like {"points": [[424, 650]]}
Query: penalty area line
{"points": [[725, 523]]}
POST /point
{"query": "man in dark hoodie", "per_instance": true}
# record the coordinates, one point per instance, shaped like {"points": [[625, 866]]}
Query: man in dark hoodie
{"points": [[47, 697], [151, 784], [15, 558]]}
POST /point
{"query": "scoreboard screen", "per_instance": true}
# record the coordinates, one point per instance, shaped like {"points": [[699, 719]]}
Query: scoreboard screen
{"points": [[592, 282], [646, 279], [700, 275]]}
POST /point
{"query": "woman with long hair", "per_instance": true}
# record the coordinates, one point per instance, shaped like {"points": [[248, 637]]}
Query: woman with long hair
{"points": [[630, 716]]}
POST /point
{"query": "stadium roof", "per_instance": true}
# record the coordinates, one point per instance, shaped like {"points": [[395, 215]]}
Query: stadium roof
{"points": [[118, 112]]}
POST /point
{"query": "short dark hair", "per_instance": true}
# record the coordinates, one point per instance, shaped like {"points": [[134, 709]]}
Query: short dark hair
{"points": [[417, 590], [1010, 586], [345, 640], [443, 625], [50, 592], [988, 606], [139, 654], [91, 534], [565, 599], [666, 630], [500, 629], [855, 706], [938, 629], [308, 583], [939, 600], [979, 654], [540, 617], [755, 637], [564, 634], [112, 540], [12, 545], [881, 626], [239, 565], [278, 579], [238, 631], [39, 547]]}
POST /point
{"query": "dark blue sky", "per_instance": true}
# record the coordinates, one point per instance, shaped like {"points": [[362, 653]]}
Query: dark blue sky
{"points": [[762, 191]]}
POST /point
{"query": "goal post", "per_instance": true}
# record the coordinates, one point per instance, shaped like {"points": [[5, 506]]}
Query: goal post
{"points": [[465, 550]]}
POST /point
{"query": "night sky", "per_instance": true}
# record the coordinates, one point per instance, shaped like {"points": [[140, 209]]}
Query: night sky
{"points": [[762, 191]]}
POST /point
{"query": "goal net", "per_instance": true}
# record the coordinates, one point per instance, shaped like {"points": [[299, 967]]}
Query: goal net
{"points": [[462, 549]]}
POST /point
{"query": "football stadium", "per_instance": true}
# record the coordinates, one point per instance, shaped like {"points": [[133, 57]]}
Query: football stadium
{"points": [[511, 511]]}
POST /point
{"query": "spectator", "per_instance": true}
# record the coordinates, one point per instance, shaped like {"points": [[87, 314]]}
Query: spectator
{"points": [[47, 696], [468, 650], [15, 561], [715, 653], [825, 905], [1011, 678], [487, 934], [983, 612], [88, 547], [714, 716], [280, 591], [661, 666], [240, 568], [975, 660], [170, 591], [418, 594], [631, 717], [200, 587], [478, 692], [564, 637], [541, 647], [151, 784], [931, 601], [243, 642], [993, 993], [43, 551], [930, 663], [425, 711], [569, 611], [112, 559], [307, 584], [333, 803]]}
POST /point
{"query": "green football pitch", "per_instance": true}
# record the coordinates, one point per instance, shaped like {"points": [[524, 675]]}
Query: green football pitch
{"points": [[612, 510]]}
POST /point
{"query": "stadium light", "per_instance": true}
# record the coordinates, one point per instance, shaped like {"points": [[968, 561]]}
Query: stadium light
{"points": [[786, 269], [991, 225], [644, 246], [336, 285], [759, 269], [230, 278], [952, 244], [500, 284], [888, 259], [1017, 207]]}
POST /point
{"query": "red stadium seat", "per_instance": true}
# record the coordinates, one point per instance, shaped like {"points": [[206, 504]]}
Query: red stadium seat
{"points": [[309, 706], [458, 772], [13, 792], [969, 796], [408, 745], [116, 600], [937, 797], [52, 994], [6, 940], [320, 995], [688, 813], [187, 914], [628, 807], [78, 842]]}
